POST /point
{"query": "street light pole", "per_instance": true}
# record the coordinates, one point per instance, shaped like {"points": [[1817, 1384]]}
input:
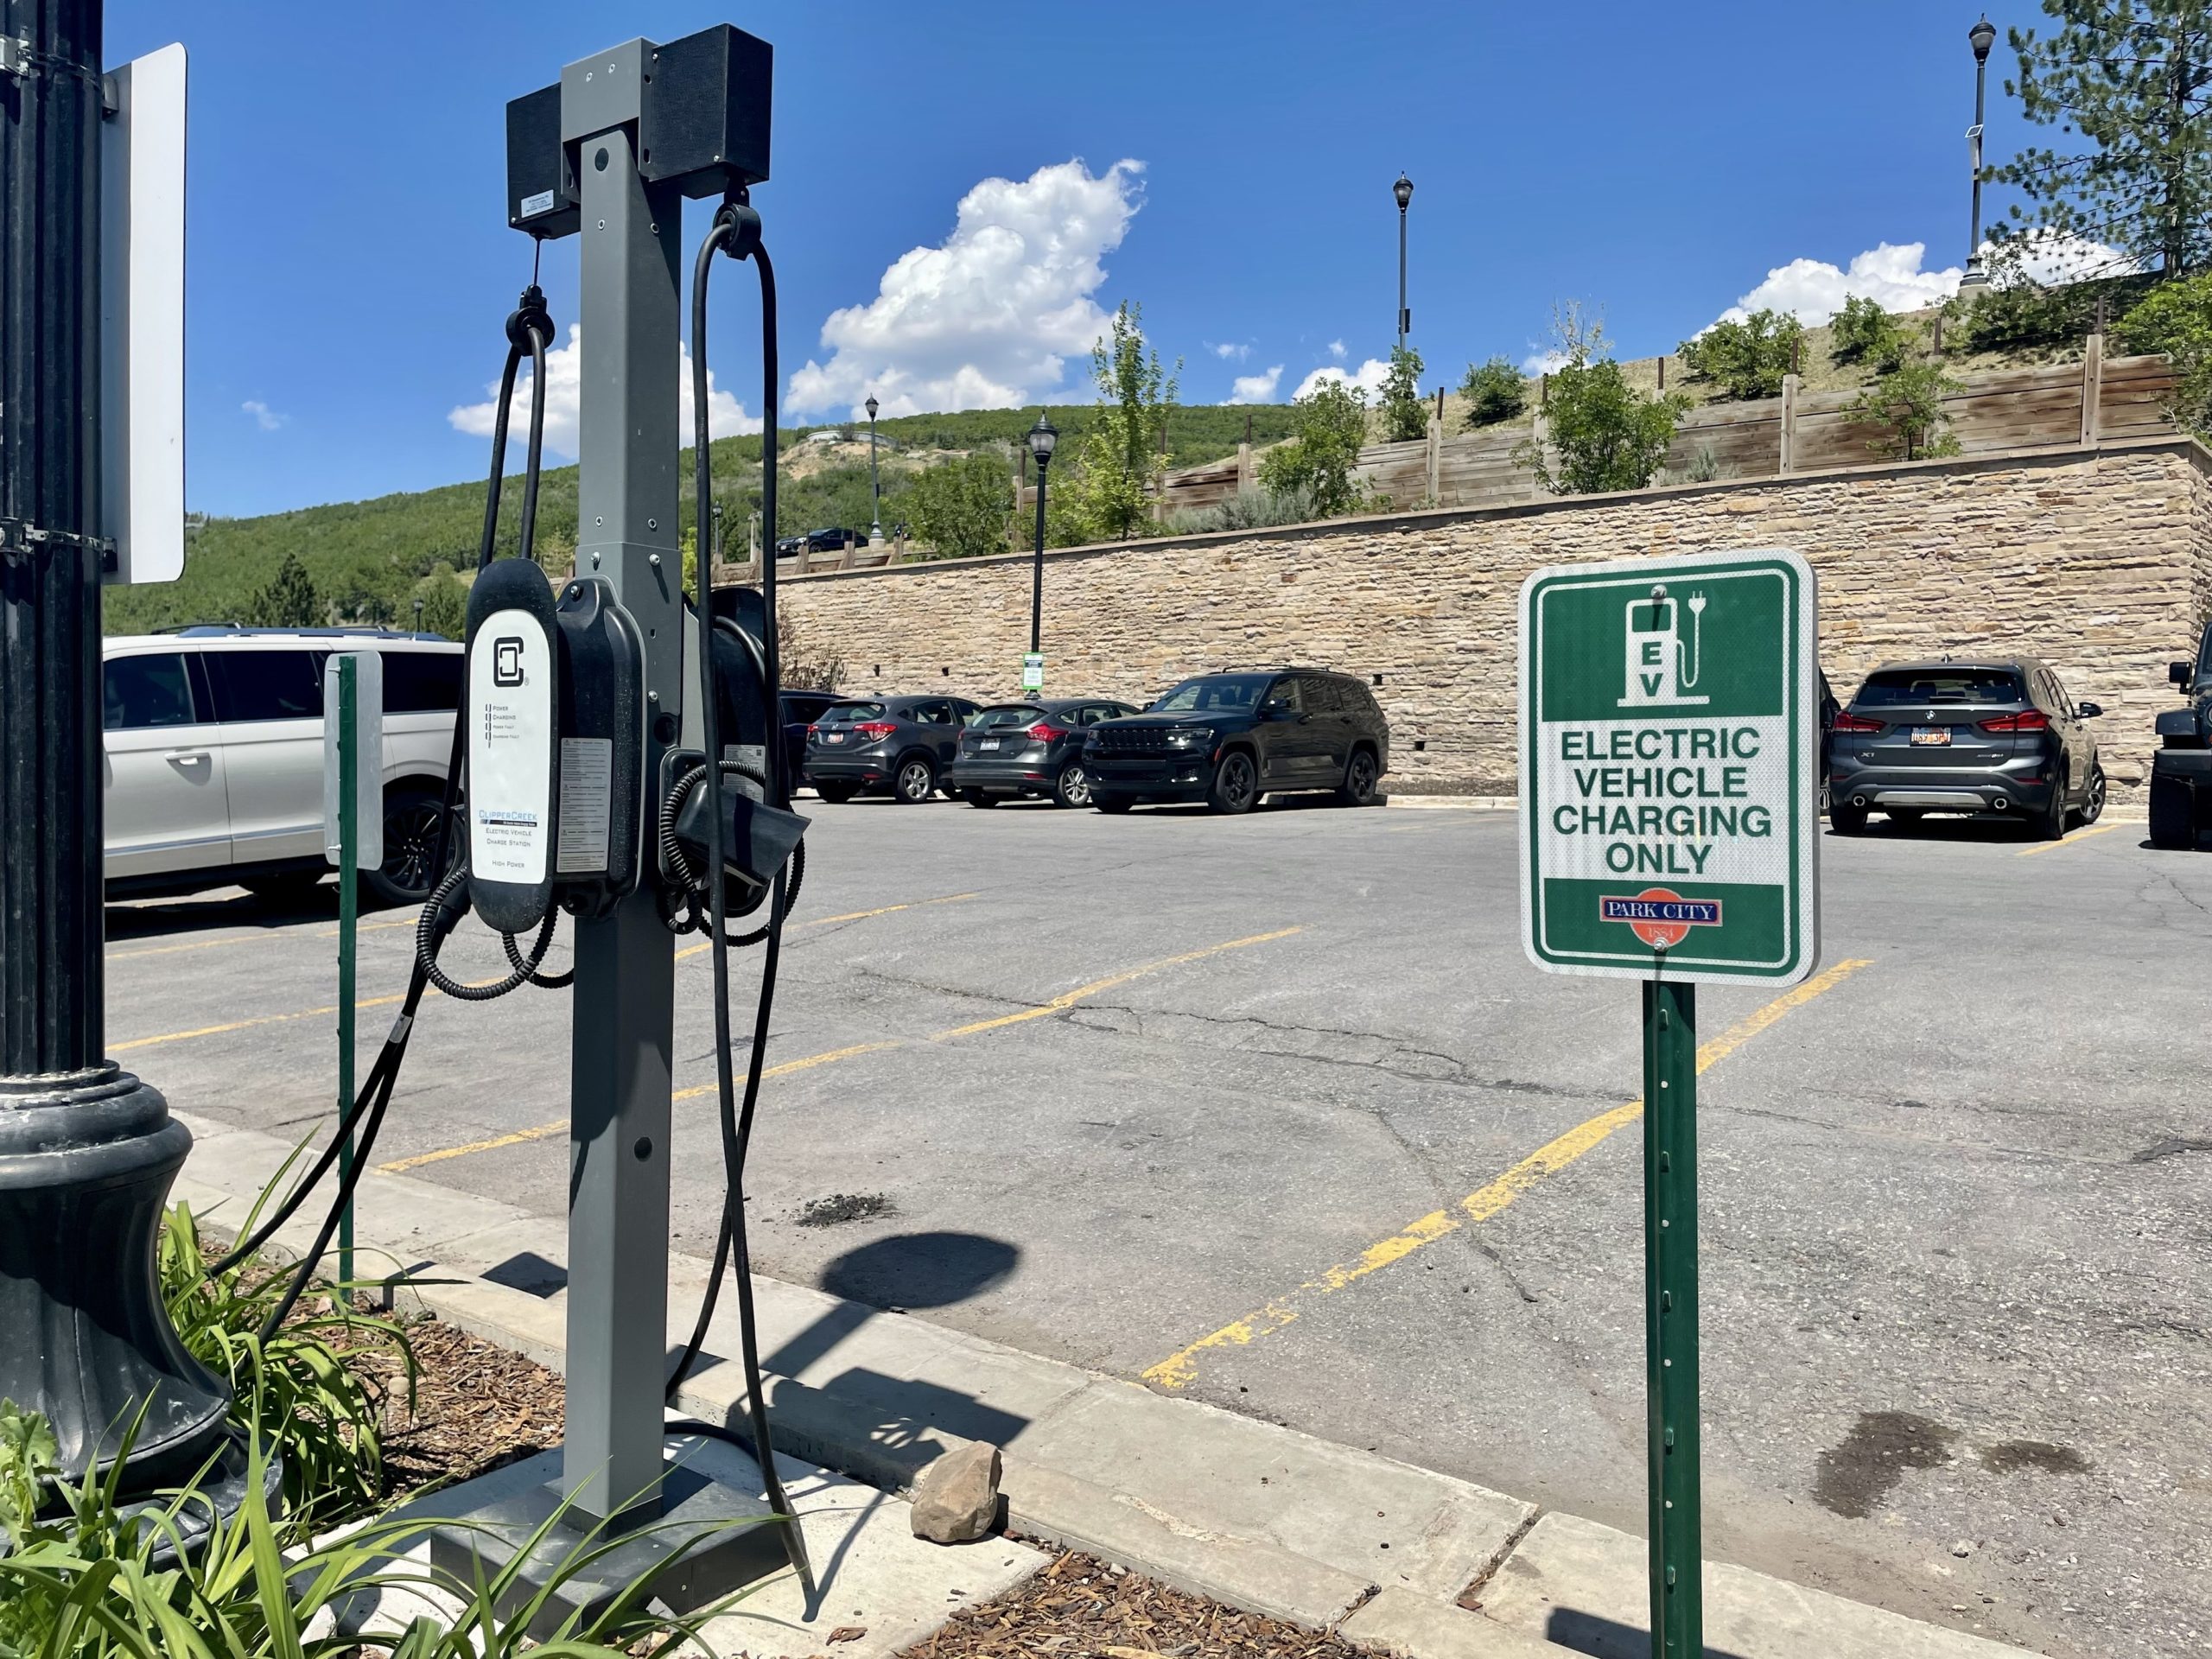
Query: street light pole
{"points": [[1981, 37], [1042, 437], [874, 488], [1403, 190]]}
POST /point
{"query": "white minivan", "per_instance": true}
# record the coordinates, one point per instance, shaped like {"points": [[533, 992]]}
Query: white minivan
{"points": [[214, 776]]}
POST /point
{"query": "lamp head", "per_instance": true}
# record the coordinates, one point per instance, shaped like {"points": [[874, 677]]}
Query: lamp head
{"points": [[1042, 438], [871, 407], [1983, 36], [1403, 190]]}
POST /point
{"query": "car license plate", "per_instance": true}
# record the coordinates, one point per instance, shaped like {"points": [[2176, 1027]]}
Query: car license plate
{"points": [[833, 737], [1936, 735], [987, 743]]}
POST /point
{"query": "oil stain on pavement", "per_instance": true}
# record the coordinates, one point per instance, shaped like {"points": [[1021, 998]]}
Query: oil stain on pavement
{"points": [[1857, 1474]]}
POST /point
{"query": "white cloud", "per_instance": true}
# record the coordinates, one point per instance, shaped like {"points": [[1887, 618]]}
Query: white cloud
{"points": [[1337, 350], [1228, 350], [1255, 388], [726, 417], [1814, 290], [1544, 362], [264, 416], [988, 318], [1368, 377]]}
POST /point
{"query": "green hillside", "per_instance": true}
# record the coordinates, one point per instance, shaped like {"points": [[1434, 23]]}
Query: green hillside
{"points": [[369, 560]]}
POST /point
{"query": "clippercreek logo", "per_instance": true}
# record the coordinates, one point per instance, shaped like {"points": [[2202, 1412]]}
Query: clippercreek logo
{"points": [[1661, 917]]}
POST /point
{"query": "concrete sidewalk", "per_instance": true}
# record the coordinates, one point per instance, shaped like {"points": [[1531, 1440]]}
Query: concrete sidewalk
{"points": [[1254, 1514]]}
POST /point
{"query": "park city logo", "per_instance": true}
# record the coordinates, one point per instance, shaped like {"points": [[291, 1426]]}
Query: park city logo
{"points": [[1660, 667]]}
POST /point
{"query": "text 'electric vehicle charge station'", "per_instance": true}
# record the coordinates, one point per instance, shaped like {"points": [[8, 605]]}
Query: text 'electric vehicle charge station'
{"points": [[1669, 748]]}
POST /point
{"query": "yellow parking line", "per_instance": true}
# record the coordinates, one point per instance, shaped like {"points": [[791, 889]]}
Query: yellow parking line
{"points": [[1179, 1369], [2053, 846], [244, 1025], [850, 916], [1067, 1000], [246, 938]]}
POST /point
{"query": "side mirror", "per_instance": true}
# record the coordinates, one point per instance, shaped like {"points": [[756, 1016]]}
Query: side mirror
{"points": [[2089, 710], [2178, 673]]}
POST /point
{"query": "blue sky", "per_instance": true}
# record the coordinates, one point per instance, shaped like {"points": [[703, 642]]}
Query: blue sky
{"points": [[349, 262]]}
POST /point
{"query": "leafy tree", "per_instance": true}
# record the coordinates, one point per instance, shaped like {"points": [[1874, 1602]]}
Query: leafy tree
{"points": [[1603, 433], [1745, 357], [2131, 77], [1863, 333], [288, 601], [1319, 461], [2178, 321], [1123, 450], [1405, 416], [445, 603], [959, 509], [1907, 404], [1495, 392]]}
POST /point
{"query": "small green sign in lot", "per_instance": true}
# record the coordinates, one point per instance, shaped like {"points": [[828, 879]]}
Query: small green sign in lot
{"points": [[1669, 768]]}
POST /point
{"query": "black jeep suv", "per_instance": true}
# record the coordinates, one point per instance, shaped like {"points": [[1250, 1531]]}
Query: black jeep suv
{"points": [[1229, 739]]}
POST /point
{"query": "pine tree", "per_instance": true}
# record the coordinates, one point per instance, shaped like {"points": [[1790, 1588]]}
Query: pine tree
{"points": [[289, 601]]}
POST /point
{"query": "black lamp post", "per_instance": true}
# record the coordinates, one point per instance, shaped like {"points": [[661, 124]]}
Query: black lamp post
{"points": [[1042, 437], [1403, 190], [875, 490], [418, 616], [1981, 37]]}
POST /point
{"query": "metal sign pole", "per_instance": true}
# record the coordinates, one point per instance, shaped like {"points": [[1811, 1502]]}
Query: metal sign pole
{"points": [[349, 838], [1670, 1317]]}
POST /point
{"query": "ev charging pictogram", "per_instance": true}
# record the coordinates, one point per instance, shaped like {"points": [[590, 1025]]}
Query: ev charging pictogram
{"points": [[1662, 666]]}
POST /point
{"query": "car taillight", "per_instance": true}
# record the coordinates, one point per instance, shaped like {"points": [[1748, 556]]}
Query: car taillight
{"points": [[2027, 720], [876, 730], [1044, 731], [1856, 723], [812, 729]]}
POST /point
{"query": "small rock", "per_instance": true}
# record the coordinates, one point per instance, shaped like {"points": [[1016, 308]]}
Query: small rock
{"points": [[1962, 1550], [956, 1500]]}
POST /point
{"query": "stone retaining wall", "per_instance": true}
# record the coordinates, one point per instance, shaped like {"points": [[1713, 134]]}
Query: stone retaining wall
{"points": [[2098, 561]]}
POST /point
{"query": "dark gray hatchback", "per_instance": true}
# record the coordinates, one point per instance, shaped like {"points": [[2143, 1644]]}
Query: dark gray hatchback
{"points": [[898, 745], [1995, 736], [1029, 748]]}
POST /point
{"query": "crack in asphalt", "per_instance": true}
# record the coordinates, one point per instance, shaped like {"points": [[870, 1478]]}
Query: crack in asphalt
{"points": [[2170, 1146]]}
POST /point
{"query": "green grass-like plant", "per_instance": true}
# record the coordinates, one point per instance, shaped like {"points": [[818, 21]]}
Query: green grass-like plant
{"points": [[316, 1412]]}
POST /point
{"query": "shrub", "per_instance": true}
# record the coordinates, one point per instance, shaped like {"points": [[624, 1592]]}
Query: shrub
{"points": [[2177, 319], [1603, 433], [1246, 509], [1318, 462], [1864, 334], [318, 1411], [1907, 405], [1495, 392], [1405, 416], [1745, 357], [960, 508]]}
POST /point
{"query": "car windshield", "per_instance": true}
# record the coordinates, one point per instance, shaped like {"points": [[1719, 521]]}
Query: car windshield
{"points": [[851, 711], [1893, 688], [1012, 713], [1237, 692]]}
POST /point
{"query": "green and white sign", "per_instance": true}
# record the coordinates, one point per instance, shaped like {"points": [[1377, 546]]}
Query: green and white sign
{"points": [[1670, 768], [1032, 671]]}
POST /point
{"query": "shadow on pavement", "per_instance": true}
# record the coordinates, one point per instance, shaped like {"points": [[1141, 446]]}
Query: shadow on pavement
{"points": [[223, 907], [1607, 1638]]}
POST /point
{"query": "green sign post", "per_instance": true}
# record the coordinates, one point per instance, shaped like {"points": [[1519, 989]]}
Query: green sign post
{"points": [[1670, 752]]}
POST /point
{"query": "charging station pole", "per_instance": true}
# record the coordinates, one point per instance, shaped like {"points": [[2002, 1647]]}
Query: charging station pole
{"points": [[631, 301]]}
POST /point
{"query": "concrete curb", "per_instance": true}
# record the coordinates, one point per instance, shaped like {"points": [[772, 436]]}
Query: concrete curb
{"points": [[1209, 1502]]}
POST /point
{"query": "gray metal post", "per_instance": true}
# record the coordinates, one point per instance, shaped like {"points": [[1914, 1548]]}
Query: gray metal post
{"points": [[629, 302]]}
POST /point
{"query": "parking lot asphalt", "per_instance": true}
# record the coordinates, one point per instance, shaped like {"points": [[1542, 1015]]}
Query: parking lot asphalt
{"points": [[1273, 1112]]}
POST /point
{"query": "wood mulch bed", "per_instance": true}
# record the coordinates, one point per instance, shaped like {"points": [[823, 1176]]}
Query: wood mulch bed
{"points": [[1082, 1608]]}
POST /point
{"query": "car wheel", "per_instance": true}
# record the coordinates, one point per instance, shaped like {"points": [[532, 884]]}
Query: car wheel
{"points": [[1072, 788], [1847, 820], [2049, 825], [411, 847], [837, 794], [2092, 801], [2173, 814], [1236, 783], [916, 781], [979, 797], [1359, 788]]}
